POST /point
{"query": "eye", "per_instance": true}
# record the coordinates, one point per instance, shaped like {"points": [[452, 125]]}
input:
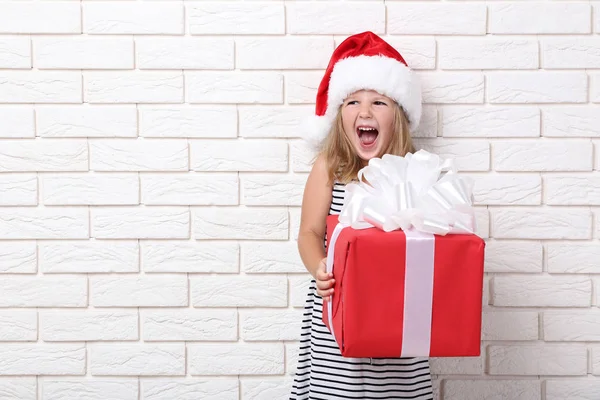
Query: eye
{"points": [[380, 103], [351, 102]]}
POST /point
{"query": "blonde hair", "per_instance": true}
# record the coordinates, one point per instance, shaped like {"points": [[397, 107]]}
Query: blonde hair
{"points": [[343, 163]]}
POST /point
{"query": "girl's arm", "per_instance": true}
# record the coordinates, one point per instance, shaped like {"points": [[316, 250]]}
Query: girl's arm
{"points": [[315, 208]]}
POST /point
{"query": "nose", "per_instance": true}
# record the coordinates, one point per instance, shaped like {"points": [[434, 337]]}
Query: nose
{"points": [[365, 111]]}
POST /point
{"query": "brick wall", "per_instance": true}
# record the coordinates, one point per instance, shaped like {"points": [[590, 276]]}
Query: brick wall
{"points": [[151, 175]]}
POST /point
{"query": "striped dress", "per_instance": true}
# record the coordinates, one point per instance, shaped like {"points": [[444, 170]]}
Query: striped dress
{"points": [[323, 374]]}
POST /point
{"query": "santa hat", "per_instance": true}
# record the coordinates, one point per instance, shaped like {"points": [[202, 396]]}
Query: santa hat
{"points": [[363, 61]]}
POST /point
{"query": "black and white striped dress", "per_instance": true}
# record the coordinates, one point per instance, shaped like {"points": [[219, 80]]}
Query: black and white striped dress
{"points": [[323, 374]]}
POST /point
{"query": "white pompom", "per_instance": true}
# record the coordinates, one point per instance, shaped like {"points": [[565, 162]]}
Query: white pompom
{"points": [[315, 129]]}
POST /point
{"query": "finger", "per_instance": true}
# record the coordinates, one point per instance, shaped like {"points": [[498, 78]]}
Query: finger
{"points": [[324, 285], [324, 276], [325, 293], [323, 268], [322, 272]]}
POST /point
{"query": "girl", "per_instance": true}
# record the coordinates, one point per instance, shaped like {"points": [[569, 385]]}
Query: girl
{"points": [[367, 102]]}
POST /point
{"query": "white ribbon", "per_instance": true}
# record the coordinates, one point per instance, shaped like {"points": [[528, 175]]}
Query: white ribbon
{"points": [[418, 294], [330, 256], [418, 190]]}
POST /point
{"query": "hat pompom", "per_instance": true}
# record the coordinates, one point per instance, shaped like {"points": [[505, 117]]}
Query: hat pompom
{"points": [[315, 129]]}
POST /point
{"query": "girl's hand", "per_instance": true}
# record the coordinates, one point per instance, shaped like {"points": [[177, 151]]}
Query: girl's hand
{"points": [[324, 280]]}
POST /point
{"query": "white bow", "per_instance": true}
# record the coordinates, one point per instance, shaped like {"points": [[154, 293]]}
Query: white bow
{"points": [[416, 191]]}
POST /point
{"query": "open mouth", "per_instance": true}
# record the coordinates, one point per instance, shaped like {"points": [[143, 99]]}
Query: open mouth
{"points": [[367, 135]]}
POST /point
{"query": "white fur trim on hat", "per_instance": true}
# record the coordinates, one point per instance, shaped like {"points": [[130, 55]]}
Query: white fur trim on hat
{"points": [[384, 75]]}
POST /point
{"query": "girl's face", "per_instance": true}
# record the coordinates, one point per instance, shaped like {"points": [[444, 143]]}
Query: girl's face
{"points": [[368, 121]]}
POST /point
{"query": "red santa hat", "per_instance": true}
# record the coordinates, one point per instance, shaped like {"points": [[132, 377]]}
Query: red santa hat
{"points": [[364, 61]]}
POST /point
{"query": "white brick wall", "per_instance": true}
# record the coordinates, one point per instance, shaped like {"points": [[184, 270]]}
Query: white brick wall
{"points": [[151, 176]]}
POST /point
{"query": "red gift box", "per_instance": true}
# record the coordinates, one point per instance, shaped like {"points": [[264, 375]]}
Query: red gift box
{"points": [[379, 308]]}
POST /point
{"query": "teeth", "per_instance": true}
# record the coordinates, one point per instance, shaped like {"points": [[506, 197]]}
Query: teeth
{"points": [[366, 129]]}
